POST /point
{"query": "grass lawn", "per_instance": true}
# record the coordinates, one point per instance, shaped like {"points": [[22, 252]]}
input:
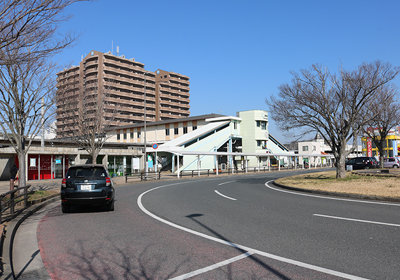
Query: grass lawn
{"points": [[353, 183]]}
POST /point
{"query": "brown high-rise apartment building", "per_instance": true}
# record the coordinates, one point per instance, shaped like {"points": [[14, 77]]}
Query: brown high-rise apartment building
{"points": [[128, 86]]}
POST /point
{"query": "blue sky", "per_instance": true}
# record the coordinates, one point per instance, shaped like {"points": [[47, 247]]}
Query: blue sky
{"points": [[237, 53]]}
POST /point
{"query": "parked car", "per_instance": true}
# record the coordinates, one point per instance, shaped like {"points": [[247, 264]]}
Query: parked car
{"points": [[391, 162], [87, 184], [362, 163]]}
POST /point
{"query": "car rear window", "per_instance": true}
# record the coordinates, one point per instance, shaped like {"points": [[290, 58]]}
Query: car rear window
{"points": [[79, 172]]}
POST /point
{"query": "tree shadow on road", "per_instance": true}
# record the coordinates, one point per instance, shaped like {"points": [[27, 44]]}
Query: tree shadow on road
{"points": [[241, 251], [118, 264]]}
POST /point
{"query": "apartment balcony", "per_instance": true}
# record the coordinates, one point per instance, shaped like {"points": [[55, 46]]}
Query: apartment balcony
{"points": [[129, 89], [174, 110], [169, 103], [91, 61], [131, 73], [169, 115], [126, 64], [179, 86], [175, 91], [177, 99], [91, 78], [139, 111], [130, 82], [122, 58], [129, 119], [133, 119], [180, 81], [132, 96], [90, 70], [65, 122], [132, 106]]}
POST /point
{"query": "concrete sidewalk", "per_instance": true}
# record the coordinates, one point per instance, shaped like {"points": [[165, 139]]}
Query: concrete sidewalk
{"points": [[56, 183]]}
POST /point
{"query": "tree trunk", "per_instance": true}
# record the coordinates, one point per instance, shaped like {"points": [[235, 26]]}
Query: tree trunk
{"points": [[381, 154], [21, 168], [341, 164], [94, 156]]}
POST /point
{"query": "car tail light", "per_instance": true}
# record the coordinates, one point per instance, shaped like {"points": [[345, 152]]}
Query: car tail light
{"points": [[64, 183], [108, 181]]}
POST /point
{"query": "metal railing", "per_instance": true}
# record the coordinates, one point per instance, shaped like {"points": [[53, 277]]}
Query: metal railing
{"points": [[195, 172], [144, 176], [10, 199]]}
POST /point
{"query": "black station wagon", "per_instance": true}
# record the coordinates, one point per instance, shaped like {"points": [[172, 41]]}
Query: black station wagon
{"points": [[363, 163], [87, 184]]}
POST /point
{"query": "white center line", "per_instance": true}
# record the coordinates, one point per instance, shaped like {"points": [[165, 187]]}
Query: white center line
{"points": [[225, 183], [356, 220], [217, 192], [212, 267]]}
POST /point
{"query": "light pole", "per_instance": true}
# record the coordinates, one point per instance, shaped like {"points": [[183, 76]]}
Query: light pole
{"points": [[145, 144], [145, 154]]}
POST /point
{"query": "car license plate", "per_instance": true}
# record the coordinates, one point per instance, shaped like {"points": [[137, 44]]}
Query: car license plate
{"points": [[86, 187]]}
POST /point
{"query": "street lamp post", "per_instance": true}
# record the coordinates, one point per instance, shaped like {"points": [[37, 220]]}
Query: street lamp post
{"points": [[145, 153], [145, 144]]}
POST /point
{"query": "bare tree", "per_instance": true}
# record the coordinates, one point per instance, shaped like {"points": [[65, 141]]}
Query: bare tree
{"points": [[89, 114], [318, 101], [33, 25], [28, 38], [23, 86], [387, 116]]}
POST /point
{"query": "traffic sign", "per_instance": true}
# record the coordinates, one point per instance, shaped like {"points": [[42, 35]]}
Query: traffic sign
{"points": [[155, 146]]}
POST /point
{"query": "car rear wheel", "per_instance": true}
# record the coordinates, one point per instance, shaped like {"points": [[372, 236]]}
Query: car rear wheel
{"points": [[65, 208], [395, 166], [367, 167], [110, 206]]}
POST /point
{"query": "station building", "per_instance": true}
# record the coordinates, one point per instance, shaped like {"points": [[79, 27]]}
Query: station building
{"points": [[247, 132]]}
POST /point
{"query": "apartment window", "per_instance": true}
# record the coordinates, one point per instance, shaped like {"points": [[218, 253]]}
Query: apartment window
{"points": [[305, 148], [185, 130], [138, 134], [314, 148], [194, 127], [234, 125], [264, 125], [258, 123], [258, 143], [176, 131], [125, 136], [118, 136], [131, 135], [167, 131]]}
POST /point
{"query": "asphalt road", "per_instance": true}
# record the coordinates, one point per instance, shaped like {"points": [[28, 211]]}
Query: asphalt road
{"points": [[235, 227]]}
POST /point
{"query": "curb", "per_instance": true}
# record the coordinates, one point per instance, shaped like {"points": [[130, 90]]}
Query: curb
{"points": [[8, 269], [345, 195]]}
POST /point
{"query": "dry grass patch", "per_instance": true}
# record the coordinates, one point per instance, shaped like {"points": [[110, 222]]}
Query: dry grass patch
{"points": [[354, 184], [41, 194]]}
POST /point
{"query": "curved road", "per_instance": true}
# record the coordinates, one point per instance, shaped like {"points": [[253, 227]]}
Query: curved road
{"points": [[236, 227]]}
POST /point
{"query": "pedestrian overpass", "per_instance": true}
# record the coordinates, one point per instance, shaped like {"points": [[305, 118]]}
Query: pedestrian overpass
{"points": [[206, 146]]}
